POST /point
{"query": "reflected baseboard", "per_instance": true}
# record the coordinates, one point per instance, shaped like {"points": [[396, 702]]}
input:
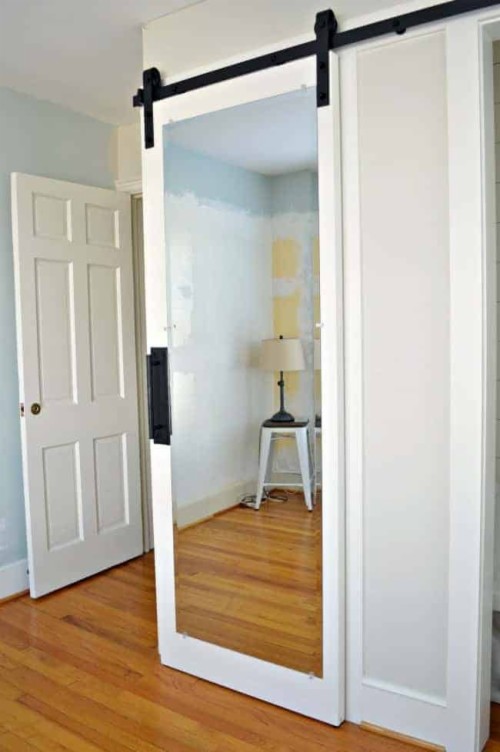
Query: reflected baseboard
{"points": [[203, 509]]}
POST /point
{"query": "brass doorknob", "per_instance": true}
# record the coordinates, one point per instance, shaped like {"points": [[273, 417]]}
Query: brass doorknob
{"points": [[36, 408]]}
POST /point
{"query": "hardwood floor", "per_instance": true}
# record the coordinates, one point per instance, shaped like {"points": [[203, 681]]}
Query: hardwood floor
{"points": [[79, 672], [494, 742], [251, 581]]}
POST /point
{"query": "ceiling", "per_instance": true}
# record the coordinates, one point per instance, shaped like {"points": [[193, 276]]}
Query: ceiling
{"points": [[83, 54], [86, 54], [272, 136]]}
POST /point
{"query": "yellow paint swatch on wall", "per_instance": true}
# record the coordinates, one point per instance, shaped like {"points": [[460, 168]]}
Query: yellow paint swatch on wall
{"points": [[317, 390], [317, 314], [286, 254], [286, 315], [315, 256], [292, 384]]}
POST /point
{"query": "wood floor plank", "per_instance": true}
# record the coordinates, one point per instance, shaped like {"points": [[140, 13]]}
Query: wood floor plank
{"points": [[161, 721], [38, 625], [12, 743], [79, 604], [47, 730], [11, 635], [104, 736], [15, 716], [40, 661], [39, 741], [95, 722], [495, 727]]}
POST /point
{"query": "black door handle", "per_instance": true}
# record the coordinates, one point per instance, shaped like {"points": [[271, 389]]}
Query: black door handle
{"points": [[160, 416]]}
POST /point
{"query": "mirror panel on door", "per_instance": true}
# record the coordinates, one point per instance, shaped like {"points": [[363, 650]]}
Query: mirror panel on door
{"points": [[241, 208]]}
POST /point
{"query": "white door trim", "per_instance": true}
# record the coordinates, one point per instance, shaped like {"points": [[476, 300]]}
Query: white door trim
{"points": [[319, 698], [489, 32], [141, 349], [134, 187]]}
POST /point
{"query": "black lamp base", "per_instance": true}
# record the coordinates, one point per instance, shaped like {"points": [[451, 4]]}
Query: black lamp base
{"points": [[282, 417]]}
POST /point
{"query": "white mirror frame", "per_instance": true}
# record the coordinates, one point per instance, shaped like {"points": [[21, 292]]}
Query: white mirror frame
{"points": [[320, 698]]}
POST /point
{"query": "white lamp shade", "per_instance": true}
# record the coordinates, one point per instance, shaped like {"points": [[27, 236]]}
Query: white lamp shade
{"points": [[282, 355]]}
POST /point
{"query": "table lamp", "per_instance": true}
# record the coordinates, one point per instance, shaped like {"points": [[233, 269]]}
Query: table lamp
{"points": [[282, 355]]}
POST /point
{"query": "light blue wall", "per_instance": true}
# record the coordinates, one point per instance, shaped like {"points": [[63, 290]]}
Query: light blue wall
{"points": [[294, 192], [40, 139], [214, 181]]}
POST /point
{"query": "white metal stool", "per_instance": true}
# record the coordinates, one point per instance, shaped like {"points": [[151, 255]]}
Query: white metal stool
{"points": [[298, 429]]}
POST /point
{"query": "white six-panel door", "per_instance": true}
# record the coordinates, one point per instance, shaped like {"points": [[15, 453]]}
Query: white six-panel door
{"points": [[77, 375]]}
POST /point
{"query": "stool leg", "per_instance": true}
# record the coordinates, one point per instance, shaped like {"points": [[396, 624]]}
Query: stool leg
{"points": [[305, 466], [312, 464], [265, 445]]}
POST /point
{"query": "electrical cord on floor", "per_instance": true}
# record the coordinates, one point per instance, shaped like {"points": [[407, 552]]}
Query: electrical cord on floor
{"points": [[250, 500]]}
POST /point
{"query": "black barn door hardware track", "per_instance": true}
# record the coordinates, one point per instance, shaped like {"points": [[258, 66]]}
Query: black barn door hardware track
{"points": [[327, 38]]}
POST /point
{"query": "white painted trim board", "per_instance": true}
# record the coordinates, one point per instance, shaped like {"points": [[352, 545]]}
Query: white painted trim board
{"points": [[13, 578]]}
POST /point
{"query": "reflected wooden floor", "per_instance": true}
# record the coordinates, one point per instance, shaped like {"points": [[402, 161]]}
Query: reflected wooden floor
{"points": [[79, 672], [494, 742], [251, 581]]}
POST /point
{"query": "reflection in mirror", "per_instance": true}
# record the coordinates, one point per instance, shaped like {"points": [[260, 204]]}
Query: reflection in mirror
{"points": [[243, 299]]}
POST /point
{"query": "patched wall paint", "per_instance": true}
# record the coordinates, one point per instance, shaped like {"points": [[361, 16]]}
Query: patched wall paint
{"points": [[286, 255], [220, 308], [294, 220], [286, 304], [240, 269], [42, 139], [214, 181]]}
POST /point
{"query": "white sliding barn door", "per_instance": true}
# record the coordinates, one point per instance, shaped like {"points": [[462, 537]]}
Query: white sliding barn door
{"points": [[320, 698], [77, 374]]}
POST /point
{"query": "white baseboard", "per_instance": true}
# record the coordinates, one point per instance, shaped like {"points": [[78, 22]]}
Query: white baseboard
{"points": [[13, 578], [400, 709], [204, 508]]}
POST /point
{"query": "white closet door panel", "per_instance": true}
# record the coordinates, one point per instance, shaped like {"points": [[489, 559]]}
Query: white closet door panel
{"points": [[106, 353], [54, 290]]}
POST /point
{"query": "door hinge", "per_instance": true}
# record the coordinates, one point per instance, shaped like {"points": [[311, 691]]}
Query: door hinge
{"points": [[21, 409]]}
